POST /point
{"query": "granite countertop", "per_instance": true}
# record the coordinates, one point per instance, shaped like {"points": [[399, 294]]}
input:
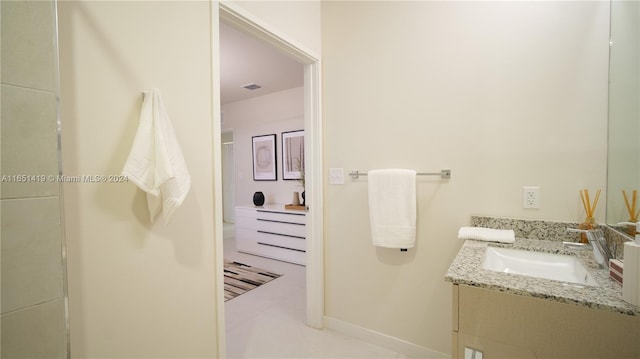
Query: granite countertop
{"points": [[466, 269]]}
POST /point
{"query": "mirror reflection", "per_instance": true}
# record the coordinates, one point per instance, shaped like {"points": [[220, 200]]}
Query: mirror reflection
{"points": [[624, 113]]}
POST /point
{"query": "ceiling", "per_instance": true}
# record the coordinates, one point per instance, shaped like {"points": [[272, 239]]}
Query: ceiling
{"points": [[246, 60]]}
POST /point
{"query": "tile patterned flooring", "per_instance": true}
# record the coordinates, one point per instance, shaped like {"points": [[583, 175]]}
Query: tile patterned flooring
{"points": [[269, 321]]}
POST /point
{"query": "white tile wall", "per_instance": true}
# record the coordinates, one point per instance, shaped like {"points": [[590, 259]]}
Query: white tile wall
{"points": [[37, 332], [27, 44], [31, 252], [29, 141], [33, 310]]}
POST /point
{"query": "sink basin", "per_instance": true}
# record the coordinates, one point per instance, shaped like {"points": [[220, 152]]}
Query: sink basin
{"points": [[537, 264]]}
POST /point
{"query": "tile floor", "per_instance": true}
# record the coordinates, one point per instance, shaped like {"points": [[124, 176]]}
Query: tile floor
{"points": [[269, 321]]}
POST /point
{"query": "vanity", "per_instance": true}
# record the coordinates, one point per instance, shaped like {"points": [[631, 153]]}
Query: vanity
{"points": [[505, 315]]}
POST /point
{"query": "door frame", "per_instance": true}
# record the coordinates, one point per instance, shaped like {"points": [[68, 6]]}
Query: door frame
{"points": [[241, 19], [233, 188]]}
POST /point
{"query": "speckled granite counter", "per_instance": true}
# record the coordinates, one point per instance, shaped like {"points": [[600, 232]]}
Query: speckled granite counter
{"points": [[467, 269]]}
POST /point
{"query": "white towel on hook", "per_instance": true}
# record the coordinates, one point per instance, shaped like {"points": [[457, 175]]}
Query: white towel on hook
{"points": [[156, 163], [392, 207]]}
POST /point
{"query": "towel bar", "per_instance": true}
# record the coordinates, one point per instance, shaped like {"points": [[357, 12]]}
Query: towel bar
{"points": [[444, 174]]}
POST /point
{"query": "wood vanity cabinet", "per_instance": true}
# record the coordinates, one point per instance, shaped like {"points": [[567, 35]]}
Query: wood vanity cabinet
{"points": [[505, 325]]}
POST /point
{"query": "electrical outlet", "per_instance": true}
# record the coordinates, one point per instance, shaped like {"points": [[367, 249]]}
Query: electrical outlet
{"points": [[530, 197]]}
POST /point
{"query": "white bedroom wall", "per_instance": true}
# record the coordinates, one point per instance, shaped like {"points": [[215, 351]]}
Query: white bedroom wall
{"points": [[270, 114]]}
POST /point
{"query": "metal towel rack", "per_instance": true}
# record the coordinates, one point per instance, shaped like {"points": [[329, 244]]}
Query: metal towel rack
{"points": [[444, 174]]}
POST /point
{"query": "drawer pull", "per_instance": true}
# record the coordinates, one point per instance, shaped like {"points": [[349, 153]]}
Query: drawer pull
{"points": [[288, 213], [273, 245], [271, 220], [280, 234]]}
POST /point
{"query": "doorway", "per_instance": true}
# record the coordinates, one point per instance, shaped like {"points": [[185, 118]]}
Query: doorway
{"points": [[230, 14], [228, 177]]}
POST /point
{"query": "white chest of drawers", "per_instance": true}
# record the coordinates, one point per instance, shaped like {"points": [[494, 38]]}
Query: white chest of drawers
{"points": [[272, 231]]}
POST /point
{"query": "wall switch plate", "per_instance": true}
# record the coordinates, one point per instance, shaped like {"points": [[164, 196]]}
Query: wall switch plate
{"points": [[530, 197], [336, 175], [470, 353]]}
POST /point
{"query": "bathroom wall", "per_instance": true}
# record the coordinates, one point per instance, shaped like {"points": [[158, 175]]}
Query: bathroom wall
{"points": [[137, 289], [33, 275], [505, 94], [264, 115], [297, 21]]}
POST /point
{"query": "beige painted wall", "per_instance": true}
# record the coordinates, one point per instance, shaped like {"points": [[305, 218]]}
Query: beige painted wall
{"points": [[297, 21], [137, 289], [505, 94], [264, 115]]}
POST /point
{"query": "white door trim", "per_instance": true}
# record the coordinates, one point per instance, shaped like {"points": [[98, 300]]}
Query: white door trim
{"points": [[240, 18]]}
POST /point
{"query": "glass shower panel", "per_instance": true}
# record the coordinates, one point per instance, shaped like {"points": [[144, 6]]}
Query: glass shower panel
{"points": [[33, 276]]}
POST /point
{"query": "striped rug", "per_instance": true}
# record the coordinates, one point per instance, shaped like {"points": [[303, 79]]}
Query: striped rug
{"points": [[240, 278]]}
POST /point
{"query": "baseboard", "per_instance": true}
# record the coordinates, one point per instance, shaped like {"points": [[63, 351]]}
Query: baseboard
{"points": [[401, 346]]}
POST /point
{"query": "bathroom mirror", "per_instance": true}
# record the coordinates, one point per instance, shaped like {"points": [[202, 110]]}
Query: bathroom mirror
{"points": [[623, 163]]}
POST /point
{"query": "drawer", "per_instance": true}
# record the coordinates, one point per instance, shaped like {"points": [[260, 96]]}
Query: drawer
{"points": [[275, 240], [289, 229], [286, 217], [270, 251]]}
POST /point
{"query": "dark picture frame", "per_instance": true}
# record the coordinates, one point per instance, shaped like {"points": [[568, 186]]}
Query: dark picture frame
{"points": [[264, 158], [293, 155]]}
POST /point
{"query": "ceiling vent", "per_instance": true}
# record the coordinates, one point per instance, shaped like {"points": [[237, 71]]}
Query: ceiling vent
{"points": [[251, 86]]}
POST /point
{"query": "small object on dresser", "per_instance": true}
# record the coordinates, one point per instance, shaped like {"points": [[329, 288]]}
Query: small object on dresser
{"points": [[296, 203], [297, 207], [258, 199]]}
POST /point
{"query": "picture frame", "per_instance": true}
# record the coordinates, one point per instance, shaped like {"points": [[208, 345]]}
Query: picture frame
{"points": [[293, 155], [264, 158]]}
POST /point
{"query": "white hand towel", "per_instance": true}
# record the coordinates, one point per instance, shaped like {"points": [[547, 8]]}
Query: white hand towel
{"points": [[392, 207], [487, 234], [156, 163]]}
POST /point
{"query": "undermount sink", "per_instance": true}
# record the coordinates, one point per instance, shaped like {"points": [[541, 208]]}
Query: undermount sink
{"points": [[558, 267]]}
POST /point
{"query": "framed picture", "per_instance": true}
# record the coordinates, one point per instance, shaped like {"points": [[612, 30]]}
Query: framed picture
{"points": [[293, 155], [264, 158]]}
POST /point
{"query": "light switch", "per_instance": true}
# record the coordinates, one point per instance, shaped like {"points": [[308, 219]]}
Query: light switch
{"points": [[336, 175], [470, 353]]}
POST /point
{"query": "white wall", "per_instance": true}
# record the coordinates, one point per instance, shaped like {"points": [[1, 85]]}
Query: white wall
{"points": [[504, 94], [137, 289], [270, 114]]}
